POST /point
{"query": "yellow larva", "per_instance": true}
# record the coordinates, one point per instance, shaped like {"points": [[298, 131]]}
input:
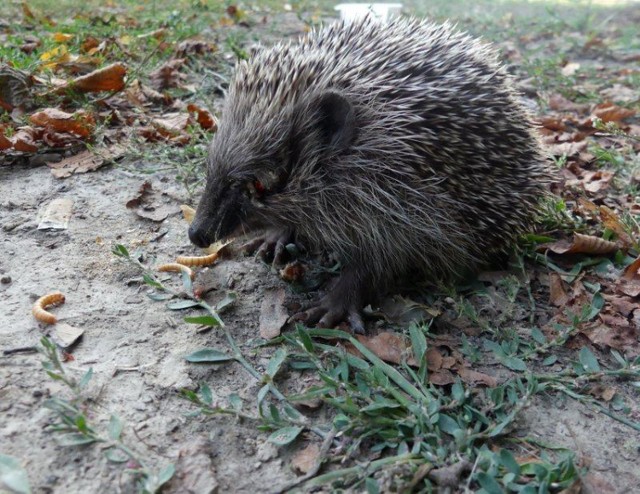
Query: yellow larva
{"points": [[197, 260], [42, 303], [174, 267]]}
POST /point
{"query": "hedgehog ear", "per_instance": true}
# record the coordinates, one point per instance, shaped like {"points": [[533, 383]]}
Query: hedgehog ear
{"points": [[336, 121]]}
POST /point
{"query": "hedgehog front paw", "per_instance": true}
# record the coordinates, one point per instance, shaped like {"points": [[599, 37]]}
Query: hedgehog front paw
{"points": [[329, 312], [270, 245], [343, 302]]}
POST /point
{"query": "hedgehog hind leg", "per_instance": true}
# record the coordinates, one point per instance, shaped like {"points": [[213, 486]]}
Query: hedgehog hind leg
{"points": [[342, 302], [271, 245]]}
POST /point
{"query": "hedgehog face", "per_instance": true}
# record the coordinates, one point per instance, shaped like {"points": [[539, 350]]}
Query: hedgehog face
{"points": [[252, 189]]}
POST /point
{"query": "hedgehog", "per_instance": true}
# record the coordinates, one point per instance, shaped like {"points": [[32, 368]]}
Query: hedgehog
{"points": [[401, 147]]}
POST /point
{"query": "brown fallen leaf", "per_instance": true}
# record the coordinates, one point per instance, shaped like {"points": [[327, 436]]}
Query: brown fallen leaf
{"points": [[150, 204], [138, 94], [293, 272], [167, 75], [434, 359], [557, 294], [582, 244], [631, 271], [443, 377], [596, 181], [390, 347], [80, 123], [629, 286], [616, 333], [109, 78], [193, 47], [172, 123], [24, 140], [82, 162], [273, 315], [621, 305], [558, 102], [567, 148], [610, 112], [470, 376], [602, 392], [305, 459], [553, 123], [203, 117], [612, 221], [5, 143], [620, 93]]}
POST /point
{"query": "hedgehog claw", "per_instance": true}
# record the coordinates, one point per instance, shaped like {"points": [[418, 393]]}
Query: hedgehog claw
{"points": [[326, 313], [272, 244]]}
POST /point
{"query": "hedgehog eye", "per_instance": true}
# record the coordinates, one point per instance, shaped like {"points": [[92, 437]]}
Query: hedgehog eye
{"points": [[256, 189], [259, 187]]}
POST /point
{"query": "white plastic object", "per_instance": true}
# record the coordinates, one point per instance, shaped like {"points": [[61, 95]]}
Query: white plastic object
{"points": [[381, 11]]}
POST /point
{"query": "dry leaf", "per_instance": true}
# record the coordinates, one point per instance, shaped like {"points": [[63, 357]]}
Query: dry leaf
{"points": [[172, 123], [61, 37], [24, 140], [570, 69], [390, 347], [620, 93], [582, 244], [82, 162], [612, 221], [616, 333], [193, 47], [293, 272], [470, 376], [434, 359], [553, 123], [630, 287], [622, 305], [610, 112], [558, 102], [273, 315], [167, 75], [602, 392], [306, 459], [567, 148], [557, 294], [443, 377], [79, 123], [203, 117], [65, 335], [5, 143], [595, 181], [631, 271], [55, 56], [109, 78]]}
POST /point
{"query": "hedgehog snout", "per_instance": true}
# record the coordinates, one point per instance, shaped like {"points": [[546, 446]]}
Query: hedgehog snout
{"points": [[200, 236]]}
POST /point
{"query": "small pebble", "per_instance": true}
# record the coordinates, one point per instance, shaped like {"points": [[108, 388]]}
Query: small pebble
{"points": [[5, 280]]}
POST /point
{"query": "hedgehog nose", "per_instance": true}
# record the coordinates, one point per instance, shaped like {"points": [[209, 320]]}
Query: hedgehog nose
{"points": [[198, 236]]}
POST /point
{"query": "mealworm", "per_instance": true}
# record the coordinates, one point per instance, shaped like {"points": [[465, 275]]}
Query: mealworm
{"points": [[188, 213], [176, 268], [43, 302], [197, 260]]}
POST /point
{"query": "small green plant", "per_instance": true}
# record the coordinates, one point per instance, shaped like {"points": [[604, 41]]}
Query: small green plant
{"points": [[73, 427]]}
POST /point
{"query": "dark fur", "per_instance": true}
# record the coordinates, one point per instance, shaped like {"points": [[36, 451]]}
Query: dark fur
{"points": [[400, 147]]}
